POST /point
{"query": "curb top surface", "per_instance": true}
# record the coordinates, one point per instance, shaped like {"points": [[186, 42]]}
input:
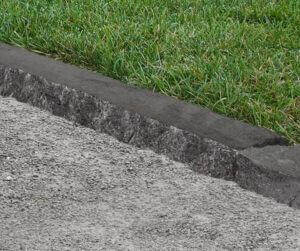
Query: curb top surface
{"points": [[167, 110]]}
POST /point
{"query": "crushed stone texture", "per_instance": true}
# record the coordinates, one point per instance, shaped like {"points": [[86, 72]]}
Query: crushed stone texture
{"points": [[66, 187]]}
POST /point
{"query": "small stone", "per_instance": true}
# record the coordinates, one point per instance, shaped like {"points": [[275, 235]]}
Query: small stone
{"points": [[8, 178]]}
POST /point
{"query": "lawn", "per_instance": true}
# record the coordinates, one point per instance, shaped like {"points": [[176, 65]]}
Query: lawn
{"points": [[240, 58]]}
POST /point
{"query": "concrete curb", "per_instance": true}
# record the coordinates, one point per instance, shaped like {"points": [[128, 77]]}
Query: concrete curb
{"points": [[211, 144]]}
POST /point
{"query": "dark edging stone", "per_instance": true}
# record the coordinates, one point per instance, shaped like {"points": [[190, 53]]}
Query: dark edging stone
{"points": [[168, 110], [273, 171], [203, 155], [214, 159], [261, 179]]}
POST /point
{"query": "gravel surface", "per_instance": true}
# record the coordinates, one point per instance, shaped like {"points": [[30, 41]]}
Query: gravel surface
{"points": [[65, 187]]}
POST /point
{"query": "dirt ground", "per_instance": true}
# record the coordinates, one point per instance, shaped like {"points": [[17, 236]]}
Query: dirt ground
{"points": [[64, 187]]}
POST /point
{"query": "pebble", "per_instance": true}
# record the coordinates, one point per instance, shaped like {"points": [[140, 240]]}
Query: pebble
{"points": [[8, 178]]}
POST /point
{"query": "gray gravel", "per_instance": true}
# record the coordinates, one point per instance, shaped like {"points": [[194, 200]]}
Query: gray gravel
{"points": [[65, 187]]}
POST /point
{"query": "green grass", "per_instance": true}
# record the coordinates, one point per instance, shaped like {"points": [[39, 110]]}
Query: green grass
{"points": [[240, 58]]}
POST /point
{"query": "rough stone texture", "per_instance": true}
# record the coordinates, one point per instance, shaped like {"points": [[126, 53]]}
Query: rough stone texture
{"points": [[67, 187], [273, 171], [168, 110], [204, 155], [257, 177], [201, 154], [283, 159]]}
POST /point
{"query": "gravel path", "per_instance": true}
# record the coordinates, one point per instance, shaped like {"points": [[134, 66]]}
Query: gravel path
{"points": [[64, 187]]}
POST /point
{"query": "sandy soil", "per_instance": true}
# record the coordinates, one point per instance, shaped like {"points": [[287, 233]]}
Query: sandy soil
{"points": [[64, 187]]}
